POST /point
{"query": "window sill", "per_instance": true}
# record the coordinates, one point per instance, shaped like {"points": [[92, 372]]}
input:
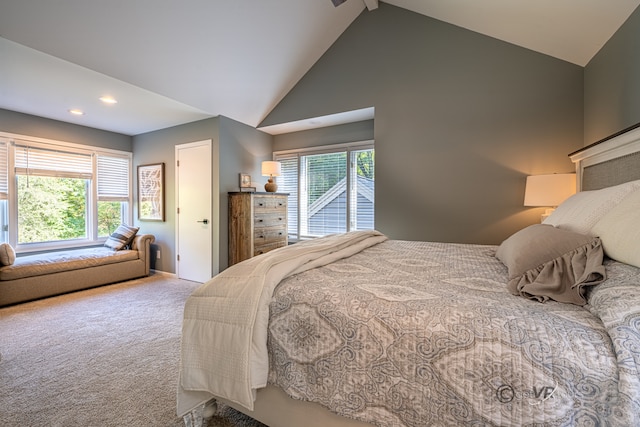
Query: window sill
{"points": [[29, 248]]}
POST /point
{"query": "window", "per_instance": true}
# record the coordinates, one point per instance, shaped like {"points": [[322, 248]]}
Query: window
{"points": [[51, 208], [60, 194], [331, 189], [114, 182]]}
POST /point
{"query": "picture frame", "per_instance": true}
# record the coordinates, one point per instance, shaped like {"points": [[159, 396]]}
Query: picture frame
{"points": [[245, 180], [151, 205]]}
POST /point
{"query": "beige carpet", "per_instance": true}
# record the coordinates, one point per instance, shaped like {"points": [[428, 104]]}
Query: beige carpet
{"points": [[102, 357]]}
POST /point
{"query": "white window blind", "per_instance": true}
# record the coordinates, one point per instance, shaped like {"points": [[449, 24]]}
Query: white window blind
{"points": [[4, 169], [288, 183], [43, 162], [113, 178], [324, 208]]}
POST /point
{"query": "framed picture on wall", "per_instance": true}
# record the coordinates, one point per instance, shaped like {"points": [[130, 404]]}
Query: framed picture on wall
{"points": [[151, 192]]}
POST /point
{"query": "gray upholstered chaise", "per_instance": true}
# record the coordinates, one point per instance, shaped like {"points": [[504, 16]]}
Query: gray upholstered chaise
{"points": [[37, 276]]}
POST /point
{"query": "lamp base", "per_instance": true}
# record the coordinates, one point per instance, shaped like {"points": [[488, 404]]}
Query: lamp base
{"points": [[546, 214], [270, 186]]}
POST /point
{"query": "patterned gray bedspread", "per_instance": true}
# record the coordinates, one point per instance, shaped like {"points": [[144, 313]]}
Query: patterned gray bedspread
{"points": [[421, 334]]}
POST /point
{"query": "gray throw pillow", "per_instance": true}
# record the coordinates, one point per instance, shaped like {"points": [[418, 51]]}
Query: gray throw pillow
{"points": [[546, 262], [121, 237]]}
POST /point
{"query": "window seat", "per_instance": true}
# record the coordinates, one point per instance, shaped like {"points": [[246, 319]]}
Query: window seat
{"points": [[37, 276]]}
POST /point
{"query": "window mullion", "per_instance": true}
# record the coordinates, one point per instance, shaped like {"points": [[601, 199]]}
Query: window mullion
{"points": [[92, 205]]}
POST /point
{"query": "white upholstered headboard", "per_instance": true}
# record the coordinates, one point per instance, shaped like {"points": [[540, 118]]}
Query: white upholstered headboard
{"points": [[609, 162]]}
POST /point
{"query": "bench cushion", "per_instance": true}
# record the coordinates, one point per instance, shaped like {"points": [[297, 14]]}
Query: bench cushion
{"points": [[53, 262]]}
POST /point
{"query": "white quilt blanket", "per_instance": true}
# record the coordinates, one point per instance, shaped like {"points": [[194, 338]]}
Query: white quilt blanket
{"points": [[224, 333]]}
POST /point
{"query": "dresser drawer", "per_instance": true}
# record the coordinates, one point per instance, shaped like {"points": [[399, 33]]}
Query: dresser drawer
{"points": [[265, 236], [269, 219], [262, 249], [262, 202]]}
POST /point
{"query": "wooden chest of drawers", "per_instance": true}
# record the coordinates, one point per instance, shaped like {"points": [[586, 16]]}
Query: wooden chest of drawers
{"points": [[257, 224]]}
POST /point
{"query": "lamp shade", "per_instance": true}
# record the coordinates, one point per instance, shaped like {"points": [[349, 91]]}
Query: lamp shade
{"points": [[549, 190], [271, 169]]}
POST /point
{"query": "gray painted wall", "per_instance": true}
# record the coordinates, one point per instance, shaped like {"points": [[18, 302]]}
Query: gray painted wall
{"points": [[236, 148], [25, 124], [460, 120], [612, 84], [157, 147], [350, 132], [242, 150]]}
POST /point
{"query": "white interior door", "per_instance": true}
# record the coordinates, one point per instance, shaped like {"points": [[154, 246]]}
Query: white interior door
{"points": [[194, 220]]}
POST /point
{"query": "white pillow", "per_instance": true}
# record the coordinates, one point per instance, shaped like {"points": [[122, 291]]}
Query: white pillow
{"points": [[580, 212], [619, 230]]}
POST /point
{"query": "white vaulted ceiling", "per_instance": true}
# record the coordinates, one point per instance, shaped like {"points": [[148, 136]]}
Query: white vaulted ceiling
{"points": [[170, 62]]}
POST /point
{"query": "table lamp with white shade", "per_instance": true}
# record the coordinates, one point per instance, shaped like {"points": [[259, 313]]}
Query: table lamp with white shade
{"points": [[549, 190], [271, 169]]}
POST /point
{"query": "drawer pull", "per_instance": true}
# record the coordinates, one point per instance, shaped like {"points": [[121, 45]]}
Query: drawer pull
{"points": [[260, 220], [280, 233], [261, 237], [260, 204]]}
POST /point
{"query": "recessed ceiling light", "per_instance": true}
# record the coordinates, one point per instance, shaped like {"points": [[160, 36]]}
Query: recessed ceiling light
{"points": [[108, 100], [77, 112]]}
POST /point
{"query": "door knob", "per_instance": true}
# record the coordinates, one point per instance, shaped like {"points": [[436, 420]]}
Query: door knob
{"points": [[204, 221]]}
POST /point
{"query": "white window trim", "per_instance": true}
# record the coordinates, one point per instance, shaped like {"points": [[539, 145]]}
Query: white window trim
{"points": [[322, 149], [92, 219], [326, 149]]}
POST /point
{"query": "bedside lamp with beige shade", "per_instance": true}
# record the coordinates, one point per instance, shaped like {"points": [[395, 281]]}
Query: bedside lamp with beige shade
{"points": [[271, 169], [549, 190]]}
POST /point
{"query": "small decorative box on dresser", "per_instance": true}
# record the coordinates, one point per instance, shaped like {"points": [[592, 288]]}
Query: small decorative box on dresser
{"points": [[257, 224]]}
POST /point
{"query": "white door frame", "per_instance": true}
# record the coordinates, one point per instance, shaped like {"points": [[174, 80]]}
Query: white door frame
{"points": [[213, 216]]}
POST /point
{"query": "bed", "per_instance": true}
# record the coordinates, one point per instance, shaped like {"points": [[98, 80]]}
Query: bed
{"points": [[360, 330]]}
